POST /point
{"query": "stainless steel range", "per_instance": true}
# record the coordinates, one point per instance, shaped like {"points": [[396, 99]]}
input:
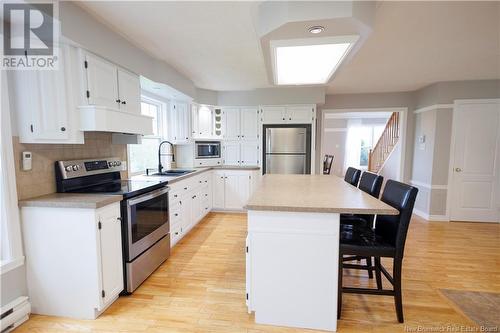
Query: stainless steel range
{"points": [[144, 212]]}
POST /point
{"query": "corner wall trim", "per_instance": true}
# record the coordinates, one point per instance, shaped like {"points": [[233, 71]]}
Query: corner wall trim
{"points": [[431, 218], [429, 186], [433, 107]]}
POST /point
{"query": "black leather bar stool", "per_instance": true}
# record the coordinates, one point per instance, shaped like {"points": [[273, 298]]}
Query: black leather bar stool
{"points": [[352, 176], [386, 240], [370, 183], [327, 164]]}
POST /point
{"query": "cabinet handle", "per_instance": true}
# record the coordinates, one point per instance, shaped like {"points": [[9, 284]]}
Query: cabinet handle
{"points": [[185, 188], [283, 118], [63, 129], [289, 118], [118, 101], [124, 102], [176, 214], [119, 219], [175, 195]]}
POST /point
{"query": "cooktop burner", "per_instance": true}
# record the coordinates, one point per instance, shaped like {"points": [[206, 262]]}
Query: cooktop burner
{"points": [[127, 188]]}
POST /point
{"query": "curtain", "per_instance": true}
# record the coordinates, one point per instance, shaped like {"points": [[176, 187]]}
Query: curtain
{"points": [[353, 143], [11, 246]]}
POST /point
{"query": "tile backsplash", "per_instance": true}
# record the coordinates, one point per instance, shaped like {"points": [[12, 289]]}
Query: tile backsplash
{"points": [[41, 179]]}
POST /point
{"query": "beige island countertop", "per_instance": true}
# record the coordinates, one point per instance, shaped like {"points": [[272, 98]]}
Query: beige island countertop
{"points": [[71, 200], [314, 193]]}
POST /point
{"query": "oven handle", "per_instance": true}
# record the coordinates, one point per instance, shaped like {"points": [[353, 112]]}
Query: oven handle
{"points": [[147, 196]]}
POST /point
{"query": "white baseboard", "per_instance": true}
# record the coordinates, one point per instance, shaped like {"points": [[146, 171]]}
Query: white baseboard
{"points": [[433, 218]]}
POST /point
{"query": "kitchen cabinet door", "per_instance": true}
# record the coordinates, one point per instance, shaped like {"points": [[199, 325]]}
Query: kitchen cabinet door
{"points": [[299, 114], [186, 211], [45, 102], [244, 188], [129, 91], [249, 123], [204, 122], [110, 240], [102, 82], [249, 153], [232, 191], [218, 193], [231, 124], [232, 153], [180, 118], [273, 114]]}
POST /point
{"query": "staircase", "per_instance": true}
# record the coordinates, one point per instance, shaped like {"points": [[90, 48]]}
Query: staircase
{"points": [[385, 144]]}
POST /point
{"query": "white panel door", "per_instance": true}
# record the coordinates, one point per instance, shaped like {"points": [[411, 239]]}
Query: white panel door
{"points": [[129, 90], [218, 190], [475, 174], [232, 153], [233, 195], [273, 114], [102, 82], [299, 114], [110, 238], [249, 153], [231, 124], [249, 120]]}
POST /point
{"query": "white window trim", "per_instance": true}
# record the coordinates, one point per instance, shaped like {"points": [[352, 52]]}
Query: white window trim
{"points": [[14, 257], [162, 126]]}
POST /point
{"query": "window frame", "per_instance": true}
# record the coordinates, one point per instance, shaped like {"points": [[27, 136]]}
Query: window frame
{"points": [[162, 128]]}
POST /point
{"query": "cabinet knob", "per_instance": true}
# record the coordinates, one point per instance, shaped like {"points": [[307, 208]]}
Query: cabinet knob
{"points": [[118, 101], [185, 188], [63, 129], [289, 118], [124, 102], [283, 118], [176, 214]]}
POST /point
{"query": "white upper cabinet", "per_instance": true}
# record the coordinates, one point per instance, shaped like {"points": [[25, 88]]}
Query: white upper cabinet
{"points": [[249, 153], [299, 114], [203, 121], [231, 124], [249, 123], [102, 83], [129, 89], [294, 114], [180, 122], [44, 102], [111, 86], [273, 114]]}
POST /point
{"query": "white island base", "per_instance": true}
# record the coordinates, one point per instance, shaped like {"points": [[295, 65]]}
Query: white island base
{"points": [[292, 268]]}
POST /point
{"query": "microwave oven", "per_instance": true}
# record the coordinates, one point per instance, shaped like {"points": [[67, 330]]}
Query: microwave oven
{"points": [[207, 149]]}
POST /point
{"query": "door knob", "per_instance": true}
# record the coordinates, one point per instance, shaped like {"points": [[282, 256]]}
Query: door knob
{"points": [[458, 170]]}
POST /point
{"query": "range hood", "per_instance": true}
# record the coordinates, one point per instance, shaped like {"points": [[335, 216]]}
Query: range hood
{"points": [[103, 119]]}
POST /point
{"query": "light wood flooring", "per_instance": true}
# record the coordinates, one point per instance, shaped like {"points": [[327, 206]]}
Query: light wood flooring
{"points": [[201, 287]]}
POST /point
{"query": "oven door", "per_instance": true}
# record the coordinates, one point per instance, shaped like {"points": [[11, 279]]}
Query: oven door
{"points": [[146, 221], [207, 150]]}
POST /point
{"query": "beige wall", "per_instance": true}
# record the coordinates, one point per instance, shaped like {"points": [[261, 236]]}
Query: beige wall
{"points": [[41, 179], [431, 166], [269, 96], [82, 28]]}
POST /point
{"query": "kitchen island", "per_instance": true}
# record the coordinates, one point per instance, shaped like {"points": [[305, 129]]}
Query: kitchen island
{"points": [[293, 246]]}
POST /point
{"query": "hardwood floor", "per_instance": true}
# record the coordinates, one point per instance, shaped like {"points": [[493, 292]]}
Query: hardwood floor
{"points": [[201, 287]]}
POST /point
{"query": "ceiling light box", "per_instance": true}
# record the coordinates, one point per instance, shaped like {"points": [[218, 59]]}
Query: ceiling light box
{"points": [[310, 60]]}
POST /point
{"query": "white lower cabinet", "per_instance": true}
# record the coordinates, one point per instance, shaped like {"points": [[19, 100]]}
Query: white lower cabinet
{"points": [[232, 188], [74, 263], [189, 201]]}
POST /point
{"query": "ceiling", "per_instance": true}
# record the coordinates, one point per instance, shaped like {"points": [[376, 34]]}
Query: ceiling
{"points": [[413, 43]]}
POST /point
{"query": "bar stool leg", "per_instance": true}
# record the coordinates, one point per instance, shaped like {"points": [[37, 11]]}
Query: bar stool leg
{"points": [[398, 297], [378, 274]]}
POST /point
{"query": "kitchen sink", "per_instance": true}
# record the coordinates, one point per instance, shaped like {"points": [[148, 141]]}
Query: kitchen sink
{"points": [[172, 173]]}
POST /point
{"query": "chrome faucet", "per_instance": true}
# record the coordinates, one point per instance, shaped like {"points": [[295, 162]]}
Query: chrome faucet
{"points": [[160, 167]]}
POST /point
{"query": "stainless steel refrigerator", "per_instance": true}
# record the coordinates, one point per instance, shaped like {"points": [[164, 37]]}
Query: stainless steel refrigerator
{"points": [[287, 149]]}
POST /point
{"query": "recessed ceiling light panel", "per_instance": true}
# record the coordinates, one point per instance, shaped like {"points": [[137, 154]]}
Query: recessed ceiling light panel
{"points": [[309, 61], [316, 29]]}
